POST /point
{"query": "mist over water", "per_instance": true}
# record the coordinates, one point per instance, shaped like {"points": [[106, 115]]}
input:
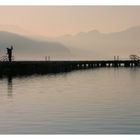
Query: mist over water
{"points": [[97, 101]]}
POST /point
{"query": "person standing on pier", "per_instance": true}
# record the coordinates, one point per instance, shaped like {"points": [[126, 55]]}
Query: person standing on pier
{"points": [[117, 57], [114, 58], [9, 53]]}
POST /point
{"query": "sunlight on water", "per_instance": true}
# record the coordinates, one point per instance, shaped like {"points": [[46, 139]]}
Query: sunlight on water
{"points": [[98, 101]]}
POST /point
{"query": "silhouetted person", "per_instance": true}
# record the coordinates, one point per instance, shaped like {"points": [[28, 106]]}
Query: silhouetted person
{"points": [[114, 57], [117, 57], [9, 52], [49, 58], [45, 58]]}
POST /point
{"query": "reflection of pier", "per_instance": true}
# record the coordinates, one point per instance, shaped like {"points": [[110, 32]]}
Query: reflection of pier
{"points": [[43, 67]]}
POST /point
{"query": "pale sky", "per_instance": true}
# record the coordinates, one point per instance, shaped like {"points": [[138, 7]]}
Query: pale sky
{"points": [[54, 21]]}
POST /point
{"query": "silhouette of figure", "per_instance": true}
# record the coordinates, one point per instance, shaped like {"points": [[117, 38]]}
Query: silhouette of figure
{"points": [[49, 58], [9, 52], [114, 57], [45, 58], [117, 57]]}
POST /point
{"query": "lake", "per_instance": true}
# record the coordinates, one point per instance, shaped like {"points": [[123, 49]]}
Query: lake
{"points": [[97, 101]]}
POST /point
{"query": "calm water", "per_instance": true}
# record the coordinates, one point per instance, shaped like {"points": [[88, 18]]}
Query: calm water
{"points": [[99, 101]]}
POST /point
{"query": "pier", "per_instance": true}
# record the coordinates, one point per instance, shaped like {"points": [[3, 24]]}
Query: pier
{"points": [[45, 67]]}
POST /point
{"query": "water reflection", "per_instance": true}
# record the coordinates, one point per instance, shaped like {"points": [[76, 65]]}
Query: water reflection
{"points": [[9, 86], [98, 101]]}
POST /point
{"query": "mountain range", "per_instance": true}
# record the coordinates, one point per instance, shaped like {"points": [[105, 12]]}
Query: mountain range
{"points": [[84, 45], [29, 48], [97, 45]]}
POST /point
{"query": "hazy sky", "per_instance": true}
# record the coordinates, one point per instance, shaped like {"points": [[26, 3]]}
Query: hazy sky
{"points": [[55, 21]]}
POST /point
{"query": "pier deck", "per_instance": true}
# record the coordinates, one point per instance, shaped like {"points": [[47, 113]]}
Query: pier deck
{"points": [[44, 67]]}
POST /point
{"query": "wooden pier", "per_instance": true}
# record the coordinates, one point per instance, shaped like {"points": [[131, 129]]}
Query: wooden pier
{"points": [[44, 67]]}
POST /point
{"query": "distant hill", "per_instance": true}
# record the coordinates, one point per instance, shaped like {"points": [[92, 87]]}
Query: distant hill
{"points": [[94, 44], [83, 45], [28, 48]]}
